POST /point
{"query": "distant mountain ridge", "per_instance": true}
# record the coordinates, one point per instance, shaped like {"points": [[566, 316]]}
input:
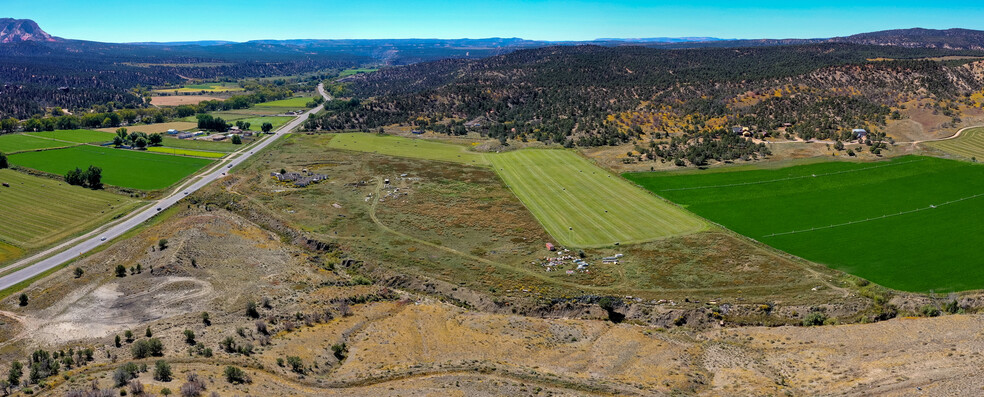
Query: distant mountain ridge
{"points": [[18, 30], [957, 39], [387, 50]]}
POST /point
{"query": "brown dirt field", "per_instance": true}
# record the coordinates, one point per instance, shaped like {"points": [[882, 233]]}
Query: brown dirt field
{"points": [[156, 128], [177, 100]]}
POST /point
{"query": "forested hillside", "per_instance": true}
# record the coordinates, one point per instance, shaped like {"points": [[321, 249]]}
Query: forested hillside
{"points": [[76, 75], [590, 95]]}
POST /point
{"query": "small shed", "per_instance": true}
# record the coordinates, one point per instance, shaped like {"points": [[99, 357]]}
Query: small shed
{"points": [[551, 247]]}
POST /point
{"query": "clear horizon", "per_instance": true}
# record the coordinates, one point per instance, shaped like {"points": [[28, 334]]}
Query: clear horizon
{"points": [[550, 20]]}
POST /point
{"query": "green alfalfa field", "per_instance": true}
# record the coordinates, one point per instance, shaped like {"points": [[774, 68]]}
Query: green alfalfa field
{"points": [[911, 223], [120, 167]]}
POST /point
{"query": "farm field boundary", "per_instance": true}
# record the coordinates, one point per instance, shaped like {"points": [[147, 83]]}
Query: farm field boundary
{"points": [[578, 203]]}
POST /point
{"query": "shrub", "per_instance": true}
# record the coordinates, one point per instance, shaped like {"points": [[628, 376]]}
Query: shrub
{"points": [[23, 300], [814, 318], [205, 319], [339, 350], [251, 310], [162, 244], [189, 336], [147, 347], [952, 307], [136, 388], [930, 311], [162, 371], [120, 271], [296, 364], [193, 387], [124, 374], [79, 272], [236, 375], [228, 344]]}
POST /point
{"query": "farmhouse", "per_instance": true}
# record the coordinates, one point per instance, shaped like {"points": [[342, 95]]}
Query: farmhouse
{"points": [[859, 133], [185, 135]]}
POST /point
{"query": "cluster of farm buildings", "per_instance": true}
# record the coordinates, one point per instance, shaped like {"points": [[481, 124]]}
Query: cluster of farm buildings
{"points": [[233, 131]]}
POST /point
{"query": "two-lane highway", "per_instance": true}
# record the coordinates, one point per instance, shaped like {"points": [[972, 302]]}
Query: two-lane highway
{"points": [[215, 172]]}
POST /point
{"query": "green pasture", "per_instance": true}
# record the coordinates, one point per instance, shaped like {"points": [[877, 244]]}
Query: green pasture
{"points": [[256, 122], [582, 205], [349, 72], [12, 143], [406, 147], [911, 223], [39, 211], [120, 167], [77, 136]]}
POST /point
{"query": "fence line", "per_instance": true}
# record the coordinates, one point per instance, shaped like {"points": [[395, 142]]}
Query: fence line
{"points": [[932, 206]]}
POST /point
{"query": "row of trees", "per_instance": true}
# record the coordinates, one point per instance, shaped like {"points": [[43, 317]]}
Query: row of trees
{"points": [[137, 139], [90, 177]]}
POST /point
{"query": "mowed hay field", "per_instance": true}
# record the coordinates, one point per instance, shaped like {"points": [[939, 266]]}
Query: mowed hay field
{"points": [[186, 152], [12, 143], [206, 145], [77, 136], [564, 190], [912, 223], [969, 145], [405, 147], [120, 167], [39, 211]]}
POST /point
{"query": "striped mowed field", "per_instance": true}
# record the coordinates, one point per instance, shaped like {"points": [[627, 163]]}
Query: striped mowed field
{"points": [[970, 144], [39, 211], [582, 205]]}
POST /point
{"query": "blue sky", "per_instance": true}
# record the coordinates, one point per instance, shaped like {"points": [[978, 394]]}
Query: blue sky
{"points": [[177, 20]]}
